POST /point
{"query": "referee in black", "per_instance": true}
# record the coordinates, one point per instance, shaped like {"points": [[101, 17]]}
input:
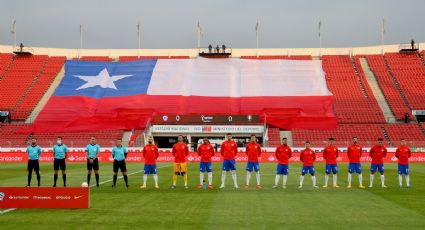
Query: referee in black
{"points": [[60, 152]]}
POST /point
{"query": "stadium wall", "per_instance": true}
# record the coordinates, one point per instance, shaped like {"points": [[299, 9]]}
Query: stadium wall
{"points": [[236, 52]]}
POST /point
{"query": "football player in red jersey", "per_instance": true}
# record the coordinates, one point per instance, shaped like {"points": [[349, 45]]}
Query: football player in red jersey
{"points": [[354, 152], [229, 149], [253, 151], [205, 151], [308, 156], [377, 153], [403, 154], [150, 153], [330, 153], [283, 153]]}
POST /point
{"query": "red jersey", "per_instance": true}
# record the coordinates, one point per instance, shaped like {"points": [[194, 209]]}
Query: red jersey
{"points": [[378, 153], [308, 156], [354, 152], [403, 154], [229, 149], [150, 153], [283, 153], [180, 151], [253, 150], [206, 151], [330, 153]]}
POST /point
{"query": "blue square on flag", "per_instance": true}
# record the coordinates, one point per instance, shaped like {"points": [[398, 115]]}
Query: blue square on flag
{"points": [[105, 79]]}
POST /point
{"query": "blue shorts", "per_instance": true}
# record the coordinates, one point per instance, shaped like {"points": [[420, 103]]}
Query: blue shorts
{"points": [[150, 169], [403, 169], [380, 168], [282, 169], [331, 168], [355, 168], [253, 166], [229, 165], [205, 167], [307, 169]]}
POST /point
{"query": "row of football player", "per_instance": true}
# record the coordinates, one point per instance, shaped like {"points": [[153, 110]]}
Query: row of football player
{"points": [[228, 151]]}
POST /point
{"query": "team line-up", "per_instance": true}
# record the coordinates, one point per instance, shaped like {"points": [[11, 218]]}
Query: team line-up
{"points": [[228, 151]]}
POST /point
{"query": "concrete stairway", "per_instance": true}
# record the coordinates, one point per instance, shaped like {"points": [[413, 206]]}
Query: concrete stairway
{"points": [[377, 92], [40, 105]]}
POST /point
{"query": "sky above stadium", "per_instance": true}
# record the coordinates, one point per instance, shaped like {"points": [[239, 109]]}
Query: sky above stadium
{"points": [[172, 23]]}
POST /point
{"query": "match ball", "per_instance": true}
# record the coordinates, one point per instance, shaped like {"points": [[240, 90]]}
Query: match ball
{"points": [[84, 185]]}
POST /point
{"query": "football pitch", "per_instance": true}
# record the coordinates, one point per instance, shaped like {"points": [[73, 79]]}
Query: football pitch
{"points": [[192, 208]]}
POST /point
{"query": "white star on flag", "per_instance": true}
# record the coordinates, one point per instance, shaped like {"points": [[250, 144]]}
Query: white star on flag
{"points": [[103, 79]]}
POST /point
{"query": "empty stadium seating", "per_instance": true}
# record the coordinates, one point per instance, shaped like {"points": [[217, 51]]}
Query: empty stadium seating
{"points": [[9, 136], [366, 133], [17, 80], [410, 74], [24, 80], [274, 137], [354, 101], [392, 94]]}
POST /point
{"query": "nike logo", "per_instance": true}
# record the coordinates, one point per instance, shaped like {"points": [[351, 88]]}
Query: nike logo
{"points": [[77, 197]]}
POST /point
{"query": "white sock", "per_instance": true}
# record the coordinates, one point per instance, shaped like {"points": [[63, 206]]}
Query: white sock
{"points": [[371, 180], [145, 178], [361, 179], [201, 177], [326, 179], [155, 179], [382, 180], [234, 178], [285, 177], [335, 177], [313, 178], [400, 180], [248, 177], [223, 178], [210, 178], [276, 180], [258, 178], [408, 180], [301, 180], [349, 178]]}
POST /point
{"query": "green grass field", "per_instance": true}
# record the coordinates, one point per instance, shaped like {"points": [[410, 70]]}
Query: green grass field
{"points": [[165, 208]]}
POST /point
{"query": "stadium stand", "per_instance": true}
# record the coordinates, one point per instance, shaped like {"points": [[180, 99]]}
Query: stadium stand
{"points": [[25, 79], [366, 133], [411, 132], [354, 101], [38, 88], [17, 80], [388, 87], [13, 139], [410, 74], [274, 137]]}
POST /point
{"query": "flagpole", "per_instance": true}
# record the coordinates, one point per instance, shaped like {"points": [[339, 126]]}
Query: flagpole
{"points": [[81, 40], [199, 33], [138, 36], [13, 31], [320, 38], [382, 35], [256, 34]]}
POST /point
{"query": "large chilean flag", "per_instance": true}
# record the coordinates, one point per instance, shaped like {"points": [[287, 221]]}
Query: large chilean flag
{"points": [[126, 95]]}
